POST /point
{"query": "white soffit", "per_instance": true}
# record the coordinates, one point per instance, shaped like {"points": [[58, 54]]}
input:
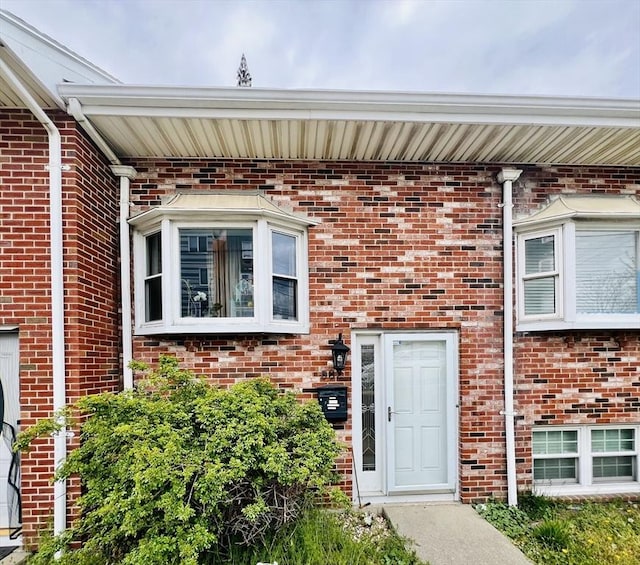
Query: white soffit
{"points": [[585, 207], [380, 126]]}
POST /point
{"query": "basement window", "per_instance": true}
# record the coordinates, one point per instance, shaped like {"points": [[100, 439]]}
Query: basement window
{"points": [[586, 459], [578, 265], [220, 263]]}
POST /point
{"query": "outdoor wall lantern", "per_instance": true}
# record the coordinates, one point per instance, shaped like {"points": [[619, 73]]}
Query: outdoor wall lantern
{"points": [[339, 353]]}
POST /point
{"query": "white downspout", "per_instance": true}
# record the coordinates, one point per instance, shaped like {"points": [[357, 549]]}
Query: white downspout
{"points": [[506, 177], [125, 173], [55, 168]]}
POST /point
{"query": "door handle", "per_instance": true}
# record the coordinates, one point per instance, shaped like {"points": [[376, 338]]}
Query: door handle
{"points": [[389, 412]]}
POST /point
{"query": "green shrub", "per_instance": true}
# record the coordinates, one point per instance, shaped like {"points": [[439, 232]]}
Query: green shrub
{"points": [[177, 467], [554, 534]]}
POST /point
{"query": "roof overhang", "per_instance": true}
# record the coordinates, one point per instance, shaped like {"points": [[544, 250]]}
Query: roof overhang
{"points": [[40, 63], [157, 122]]}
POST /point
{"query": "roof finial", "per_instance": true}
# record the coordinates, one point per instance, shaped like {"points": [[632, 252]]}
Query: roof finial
{"points": [[244, 77]]}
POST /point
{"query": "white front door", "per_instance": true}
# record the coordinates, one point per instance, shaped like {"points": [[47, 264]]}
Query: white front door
{"points": [[10, 414], [404, 405]]}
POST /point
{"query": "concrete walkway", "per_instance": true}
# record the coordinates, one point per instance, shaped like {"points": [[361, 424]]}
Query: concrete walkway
{"points": [[452, 534], [17, 557]]}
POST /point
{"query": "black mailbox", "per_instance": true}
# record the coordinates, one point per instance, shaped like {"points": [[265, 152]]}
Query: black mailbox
{"points": [[333, 401]]}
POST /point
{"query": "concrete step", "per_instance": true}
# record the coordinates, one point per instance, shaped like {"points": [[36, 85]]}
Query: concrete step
{"points": [[452, 534]]}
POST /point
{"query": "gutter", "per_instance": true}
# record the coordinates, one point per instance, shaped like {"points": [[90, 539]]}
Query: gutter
{"points": [[125, 173], [55, 169], [506, 177]]}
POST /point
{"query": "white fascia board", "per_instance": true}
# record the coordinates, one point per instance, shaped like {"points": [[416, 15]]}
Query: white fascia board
{"points": [[253, 103]]}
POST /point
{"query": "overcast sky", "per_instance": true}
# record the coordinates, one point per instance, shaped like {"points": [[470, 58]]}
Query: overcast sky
{"points": [[548, 47]]}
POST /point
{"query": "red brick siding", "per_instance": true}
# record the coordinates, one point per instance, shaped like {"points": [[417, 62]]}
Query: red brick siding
{"points": [[90, 277], [579, 377], [399, 246]]}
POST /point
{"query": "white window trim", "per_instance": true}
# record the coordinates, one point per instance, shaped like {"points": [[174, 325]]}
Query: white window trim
{"points": [[557, 273], [585, 484], [262, 321], [566, 317]]}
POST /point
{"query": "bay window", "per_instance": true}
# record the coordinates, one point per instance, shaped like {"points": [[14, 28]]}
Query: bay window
{"points": [[578, 265], [238, 265]]}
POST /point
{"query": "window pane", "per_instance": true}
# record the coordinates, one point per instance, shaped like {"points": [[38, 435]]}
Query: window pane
{"points": [[612, 440], [555, 469], [547, 442], [539, 255], [606, 272], [285, 298], [216, 273], [540, 296], [154, 254], [367, 361], [620, 468], [284, 254], [153, 299], [153, 279]]}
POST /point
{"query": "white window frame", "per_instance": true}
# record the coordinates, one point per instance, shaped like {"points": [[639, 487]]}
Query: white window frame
{"points": [[586, 484], [262, 321], [566, 317], [557, 273]]}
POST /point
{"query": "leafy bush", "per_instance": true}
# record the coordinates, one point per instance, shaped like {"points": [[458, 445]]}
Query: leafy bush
{"points": [[177, 467], [510, 520]]}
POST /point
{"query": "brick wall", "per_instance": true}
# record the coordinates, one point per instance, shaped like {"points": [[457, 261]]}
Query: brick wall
{"points": [[399, 246], [90, 277], [579, 377]]}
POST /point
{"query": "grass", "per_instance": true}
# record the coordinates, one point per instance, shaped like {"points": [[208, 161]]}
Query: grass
{"points": [[560, 533], [322, 537]]}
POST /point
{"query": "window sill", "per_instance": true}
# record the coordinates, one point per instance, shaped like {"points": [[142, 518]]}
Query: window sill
{"points": [[226, 327], [591, 490], [631, 322]]}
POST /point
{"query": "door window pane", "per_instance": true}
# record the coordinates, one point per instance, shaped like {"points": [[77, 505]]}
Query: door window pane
{"points": [[367, 361]]}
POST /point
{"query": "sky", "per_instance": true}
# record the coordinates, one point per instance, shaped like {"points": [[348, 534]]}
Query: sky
{"points": [[522, 47]]}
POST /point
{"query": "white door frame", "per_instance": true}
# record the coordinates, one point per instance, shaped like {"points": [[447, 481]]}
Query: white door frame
{"points": [[373, 486], [9, 357]]}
